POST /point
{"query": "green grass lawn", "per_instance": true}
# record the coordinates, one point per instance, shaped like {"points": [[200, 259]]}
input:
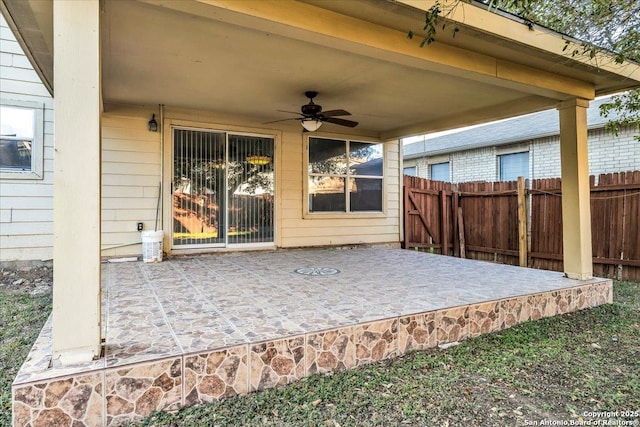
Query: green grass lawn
{"points": [[21, 318], [551, 369]]}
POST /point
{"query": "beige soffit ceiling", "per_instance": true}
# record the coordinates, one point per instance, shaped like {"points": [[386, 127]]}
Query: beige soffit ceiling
{"points": [[251, 59], [492, 34]]}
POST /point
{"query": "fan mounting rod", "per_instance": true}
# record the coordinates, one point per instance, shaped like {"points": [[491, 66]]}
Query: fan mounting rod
{"points": [[311, 109]]}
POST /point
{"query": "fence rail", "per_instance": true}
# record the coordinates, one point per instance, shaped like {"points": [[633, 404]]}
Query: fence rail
{"points": [[512, 223]]}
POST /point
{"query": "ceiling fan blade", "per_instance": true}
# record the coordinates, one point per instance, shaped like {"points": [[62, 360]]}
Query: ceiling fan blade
{"points": [[341, 122], [291, 112], [333, 113], [281, 120]]}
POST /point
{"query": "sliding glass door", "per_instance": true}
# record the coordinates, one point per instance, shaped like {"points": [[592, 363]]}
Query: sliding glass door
{"points": [[223, 189]]}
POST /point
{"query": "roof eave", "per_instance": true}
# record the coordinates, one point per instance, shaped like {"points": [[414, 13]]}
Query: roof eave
{"points": [[624, 76], [41, 58]]}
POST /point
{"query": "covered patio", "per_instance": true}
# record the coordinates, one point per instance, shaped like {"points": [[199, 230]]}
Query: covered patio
{"points": [[232, 74], [200, 328], [127, 339]]}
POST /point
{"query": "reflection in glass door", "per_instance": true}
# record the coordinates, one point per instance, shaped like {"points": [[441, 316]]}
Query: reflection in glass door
{"points": [[250, 189], [222, 189], [198, 187]]}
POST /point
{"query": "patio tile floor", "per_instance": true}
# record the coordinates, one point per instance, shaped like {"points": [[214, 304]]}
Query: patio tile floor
{"points": [[195, 329]]}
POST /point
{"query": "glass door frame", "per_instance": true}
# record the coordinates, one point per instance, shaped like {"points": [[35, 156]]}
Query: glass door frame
{"points": [[167, 188]]}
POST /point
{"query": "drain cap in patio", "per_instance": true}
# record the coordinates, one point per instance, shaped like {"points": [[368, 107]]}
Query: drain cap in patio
{"points": [[317, 271]]}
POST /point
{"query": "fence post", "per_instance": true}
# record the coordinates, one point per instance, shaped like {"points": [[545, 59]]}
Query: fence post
{"points": [[461, 233], [444, 222], [522, 222], [405, 205], [455, 202]]}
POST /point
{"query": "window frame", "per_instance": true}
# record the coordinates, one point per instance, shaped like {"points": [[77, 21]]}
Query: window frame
{"points": [[499, 158], [414, 169], [431, 165], [37, 142], [308, 214]]}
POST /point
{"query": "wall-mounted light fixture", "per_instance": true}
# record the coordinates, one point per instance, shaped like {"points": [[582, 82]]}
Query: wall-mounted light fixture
{"points": [[153, 125]]}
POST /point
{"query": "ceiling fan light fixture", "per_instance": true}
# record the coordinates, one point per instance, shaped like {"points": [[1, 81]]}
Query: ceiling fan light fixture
{"points": [[311, 125], [259, 160]]}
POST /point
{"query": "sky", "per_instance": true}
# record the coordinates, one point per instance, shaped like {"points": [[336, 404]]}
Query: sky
{"points": [[419, 138], [18, 121], [428, 136]]}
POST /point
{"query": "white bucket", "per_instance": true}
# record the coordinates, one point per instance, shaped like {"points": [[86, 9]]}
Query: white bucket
{"points": [[152, 246]]}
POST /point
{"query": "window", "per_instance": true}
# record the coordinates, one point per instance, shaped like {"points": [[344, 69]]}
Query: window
{"points": [[511, 166], [21, 140], [440, 171], [345, 176], [411, 171]]}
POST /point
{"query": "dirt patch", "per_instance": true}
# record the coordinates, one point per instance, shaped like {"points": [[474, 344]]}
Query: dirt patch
{"points": [[33, 281]]}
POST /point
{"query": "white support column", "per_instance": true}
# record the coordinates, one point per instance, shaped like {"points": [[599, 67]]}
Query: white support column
{"points": [[77, 163], [576, 210]]}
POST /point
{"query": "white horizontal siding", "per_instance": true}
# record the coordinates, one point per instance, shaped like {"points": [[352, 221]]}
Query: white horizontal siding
{"points": [[341, 240], [128, 145], [25, 253], [125, 180], [130, 177], [9, 44], [127, 168], [24, 215], [26, 189], [26, 205], [23, 241], [332, 231], [42, 202], [18, 88], [114, 238], [17, 228], [20, 74], [124, 203], [128, 250], [5, 31], [131, 174]]}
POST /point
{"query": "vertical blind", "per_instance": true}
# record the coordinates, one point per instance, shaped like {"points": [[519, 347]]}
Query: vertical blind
{"points": [[250, 189], [222, 188]]}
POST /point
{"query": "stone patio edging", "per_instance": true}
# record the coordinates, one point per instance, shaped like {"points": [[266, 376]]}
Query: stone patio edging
{"points": [[114, 396]]}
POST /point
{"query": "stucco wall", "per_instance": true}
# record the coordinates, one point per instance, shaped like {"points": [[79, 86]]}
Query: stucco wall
{"points": [[26, 205], [607, 153]]}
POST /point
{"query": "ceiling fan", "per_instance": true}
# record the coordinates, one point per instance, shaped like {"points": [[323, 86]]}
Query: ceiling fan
{"points": [[312, 116]]}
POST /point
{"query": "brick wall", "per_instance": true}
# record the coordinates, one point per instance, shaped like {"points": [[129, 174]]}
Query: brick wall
{"points": [[474, 165], [607, 153]]}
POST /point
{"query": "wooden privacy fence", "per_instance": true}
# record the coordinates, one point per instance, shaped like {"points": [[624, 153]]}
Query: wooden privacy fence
{"points": [[512, 223]]}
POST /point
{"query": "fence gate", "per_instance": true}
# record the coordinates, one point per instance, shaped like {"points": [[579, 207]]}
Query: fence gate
{"points": [[428, 215]]}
